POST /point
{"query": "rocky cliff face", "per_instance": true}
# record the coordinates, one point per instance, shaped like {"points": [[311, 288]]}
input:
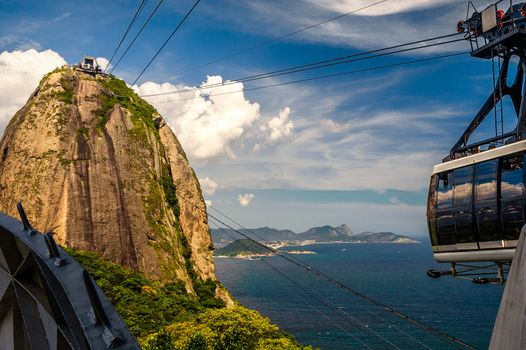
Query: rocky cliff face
{"points": [[96, 165]]}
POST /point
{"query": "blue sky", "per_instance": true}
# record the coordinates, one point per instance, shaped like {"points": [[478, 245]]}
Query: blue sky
{"points": [[356, 149]]}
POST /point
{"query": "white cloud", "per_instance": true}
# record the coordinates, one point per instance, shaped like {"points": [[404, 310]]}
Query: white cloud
{"points": [[207, 121], [103, 62], [280, 127], [333, 126], [208, 203], [208, 186], [20, 72], [386, 8], [20, 43], [395, 200], [277, 128], [245, 199], [389, 23], [62, 17]]}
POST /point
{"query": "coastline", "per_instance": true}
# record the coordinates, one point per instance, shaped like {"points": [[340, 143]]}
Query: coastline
{"points": [[279, 245], [304, 243]]}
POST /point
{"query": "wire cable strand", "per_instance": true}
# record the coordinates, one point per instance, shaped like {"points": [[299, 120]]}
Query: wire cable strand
{"points": [[344, 315], [139, 10], [137, 35], [319, 64], [392, 65], [166, 42], [298, 262], [281, 37]]}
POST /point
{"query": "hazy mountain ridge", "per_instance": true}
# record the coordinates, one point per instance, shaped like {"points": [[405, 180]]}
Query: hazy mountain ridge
{"points": [[325, 233]]}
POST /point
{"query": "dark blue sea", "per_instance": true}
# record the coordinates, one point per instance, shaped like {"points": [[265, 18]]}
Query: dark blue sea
{"points": [[328, 317]]}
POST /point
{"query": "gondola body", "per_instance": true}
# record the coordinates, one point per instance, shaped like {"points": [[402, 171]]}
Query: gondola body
{"points": [[476, 205]]}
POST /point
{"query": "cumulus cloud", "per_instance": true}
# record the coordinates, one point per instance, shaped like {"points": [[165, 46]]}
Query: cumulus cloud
{"points": [[277, 128], [103, 63], [208, 186], [280, 127], [208, 120], [245, 199], [20, 73], [208, 203]]}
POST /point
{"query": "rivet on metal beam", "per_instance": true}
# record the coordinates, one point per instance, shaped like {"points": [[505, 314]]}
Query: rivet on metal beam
{"points": [[52, 249], [25, 221]]}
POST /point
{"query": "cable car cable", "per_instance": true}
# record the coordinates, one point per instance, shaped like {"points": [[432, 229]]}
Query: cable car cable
{"points": [[300, 287], [352, 320], [268, 42], [137, 35], [166, 42], [317, 77], [344, 59], [316, 65], [328, 278], [322, 275], [139, 10], [371, 312], [303, 264]]}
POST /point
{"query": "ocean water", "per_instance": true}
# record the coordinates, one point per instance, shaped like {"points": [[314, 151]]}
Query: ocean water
{"points": [[328, 317]]}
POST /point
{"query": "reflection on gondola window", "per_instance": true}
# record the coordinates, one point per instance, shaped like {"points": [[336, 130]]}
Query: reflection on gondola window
{"points": [[486, 180], [512, 184], [463, 186], [445, 190]]}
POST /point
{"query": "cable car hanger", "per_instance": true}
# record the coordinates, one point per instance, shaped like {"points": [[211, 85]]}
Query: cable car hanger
{"points": [[476, 203]]}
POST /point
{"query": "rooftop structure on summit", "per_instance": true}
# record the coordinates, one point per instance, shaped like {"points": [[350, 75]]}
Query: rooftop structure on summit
{"points": [[89, 65]]}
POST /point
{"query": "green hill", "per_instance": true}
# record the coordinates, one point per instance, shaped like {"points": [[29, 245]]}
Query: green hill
{"points": [[243, 247], [166, 317]]}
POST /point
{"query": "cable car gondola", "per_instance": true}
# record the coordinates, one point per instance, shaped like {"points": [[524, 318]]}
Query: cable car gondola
{"points": [[476, 203]]}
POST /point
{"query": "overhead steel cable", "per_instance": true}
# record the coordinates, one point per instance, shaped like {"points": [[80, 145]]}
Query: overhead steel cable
{"points": [[139, 10], [137, 35], [300, 287], [322, 64], [398, 64], [281, 37], [167, 40], [352, 58], [285, 252], [300, 263], [344, 315]]}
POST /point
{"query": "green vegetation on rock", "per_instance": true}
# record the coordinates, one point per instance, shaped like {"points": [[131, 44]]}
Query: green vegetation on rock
{"points": [[169, 190], [140, 110], [83, 132], [166, 317], [66, 95]]}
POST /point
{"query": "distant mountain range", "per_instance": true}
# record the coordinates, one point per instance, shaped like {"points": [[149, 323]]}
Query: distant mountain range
{"points": [[342, 233]]}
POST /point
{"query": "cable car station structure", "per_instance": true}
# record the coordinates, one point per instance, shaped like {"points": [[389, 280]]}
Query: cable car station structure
{"points": [[476, 203], [47, 300]]}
